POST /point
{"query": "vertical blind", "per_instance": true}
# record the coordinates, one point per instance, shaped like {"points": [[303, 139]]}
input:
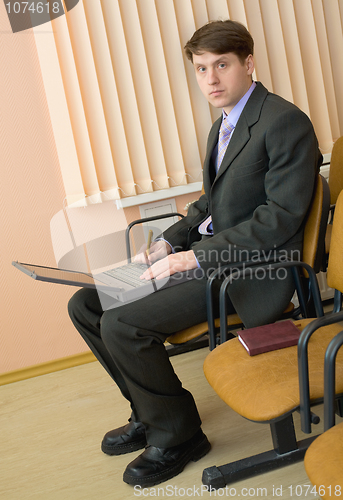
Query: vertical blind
{"points": [[137, 121]]}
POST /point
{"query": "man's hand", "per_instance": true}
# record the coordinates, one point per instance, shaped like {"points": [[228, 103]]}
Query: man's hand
{"points": [[174, 263], [158, 250]]}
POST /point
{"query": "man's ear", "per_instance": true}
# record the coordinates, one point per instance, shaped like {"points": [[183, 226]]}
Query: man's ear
{"points": [[250, 65]]}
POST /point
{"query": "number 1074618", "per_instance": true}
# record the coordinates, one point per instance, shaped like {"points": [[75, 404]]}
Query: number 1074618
{"points": [[33, 7]]}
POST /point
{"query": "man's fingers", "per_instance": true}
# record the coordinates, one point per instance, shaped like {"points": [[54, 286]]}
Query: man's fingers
{"points": [[171, 264]]}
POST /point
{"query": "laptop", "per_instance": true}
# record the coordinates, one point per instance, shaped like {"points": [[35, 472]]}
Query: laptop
{"points": [[122, 283]]}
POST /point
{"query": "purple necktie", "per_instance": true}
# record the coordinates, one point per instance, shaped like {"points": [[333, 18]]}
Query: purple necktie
{"points": [[224, 136]]}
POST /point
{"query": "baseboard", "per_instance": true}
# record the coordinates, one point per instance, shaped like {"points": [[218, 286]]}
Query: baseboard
{"points": [[48, 367]]}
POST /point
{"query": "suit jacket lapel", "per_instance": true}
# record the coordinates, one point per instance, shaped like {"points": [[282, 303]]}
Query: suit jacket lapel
{"points": [[241, 134], [211, 143]]}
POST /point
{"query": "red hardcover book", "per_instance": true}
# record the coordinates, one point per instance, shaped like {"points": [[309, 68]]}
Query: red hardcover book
{"points": [[269, 337]]}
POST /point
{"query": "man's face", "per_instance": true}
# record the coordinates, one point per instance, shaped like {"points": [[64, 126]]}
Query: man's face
{"points": [[222, 78]]}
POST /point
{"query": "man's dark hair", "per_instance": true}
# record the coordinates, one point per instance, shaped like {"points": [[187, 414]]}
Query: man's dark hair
{"points": [[221, 37]]}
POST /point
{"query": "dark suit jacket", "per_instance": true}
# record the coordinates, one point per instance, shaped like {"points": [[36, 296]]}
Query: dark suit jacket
{"points": [[258, 200]]}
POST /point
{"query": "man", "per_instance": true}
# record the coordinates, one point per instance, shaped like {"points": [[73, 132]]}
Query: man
{"points": [[259, 173]]}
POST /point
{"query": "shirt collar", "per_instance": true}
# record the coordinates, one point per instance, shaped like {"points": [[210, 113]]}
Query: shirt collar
{"points": [[235, 113]]}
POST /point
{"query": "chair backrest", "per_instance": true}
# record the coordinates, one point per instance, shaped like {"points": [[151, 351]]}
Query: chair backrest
{"points": [[335, 264], [336, 170], [315, 225]]}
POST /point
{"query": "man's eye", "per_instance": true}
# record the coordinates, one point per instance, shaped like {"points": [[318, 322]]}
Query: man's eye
{"points": [[201, 70], [222, 65]]}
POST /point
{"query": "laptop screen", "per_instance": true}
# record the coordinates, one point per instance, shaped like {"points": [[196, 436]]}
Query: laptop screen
{"points": [[54, 275]]}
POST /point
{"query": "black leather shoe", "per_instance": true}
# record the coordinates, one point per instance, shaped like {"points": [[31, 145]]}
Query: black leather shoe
{"points": [[156, 465], [130, 437]]}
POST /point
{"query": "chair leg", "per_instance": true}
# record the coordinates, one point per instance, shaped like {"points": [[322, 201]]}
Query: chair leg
{"points": [[339, 407], [286, 451], [283, 435]]}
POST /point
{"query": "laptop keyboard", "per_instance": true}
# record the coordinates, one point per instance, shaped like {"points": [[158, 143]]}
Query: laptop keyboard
{"points": [[129, 273]]}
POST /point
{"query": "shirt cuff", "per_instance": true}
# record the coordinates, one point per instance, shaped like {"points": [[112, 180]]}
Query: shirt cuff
{"points": [[165, 241]]}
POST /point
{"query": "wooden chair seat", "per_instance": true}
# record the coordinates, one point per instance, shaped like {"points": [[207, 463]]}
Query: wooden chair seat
{"points": [[264, 387], [324, 462]]}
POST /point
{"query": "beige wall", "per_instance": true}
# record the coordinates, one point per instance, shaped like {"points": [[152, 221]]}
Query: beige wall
{"points": [[35, 327], [34, 324]]}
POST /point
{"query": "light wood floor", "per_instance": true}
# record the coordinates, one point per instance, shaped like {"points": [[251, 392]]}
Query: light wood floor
{"points": [[51, 428]]}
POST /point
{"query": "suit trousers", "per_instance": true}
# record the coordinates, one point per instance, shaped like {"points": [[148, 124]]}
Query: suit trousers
{"points": [[128, 340]]}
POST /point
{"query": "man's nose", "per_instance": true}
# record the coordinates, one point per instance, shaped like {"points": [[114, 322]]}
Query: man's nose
{"points": [[212, 77]]}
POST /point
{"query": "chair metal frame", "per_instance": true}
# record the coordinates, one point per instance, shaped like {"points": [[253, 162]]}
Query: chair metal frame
{"points": [[286, 449], [329, 380], [317, 476], [303, 365]]}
